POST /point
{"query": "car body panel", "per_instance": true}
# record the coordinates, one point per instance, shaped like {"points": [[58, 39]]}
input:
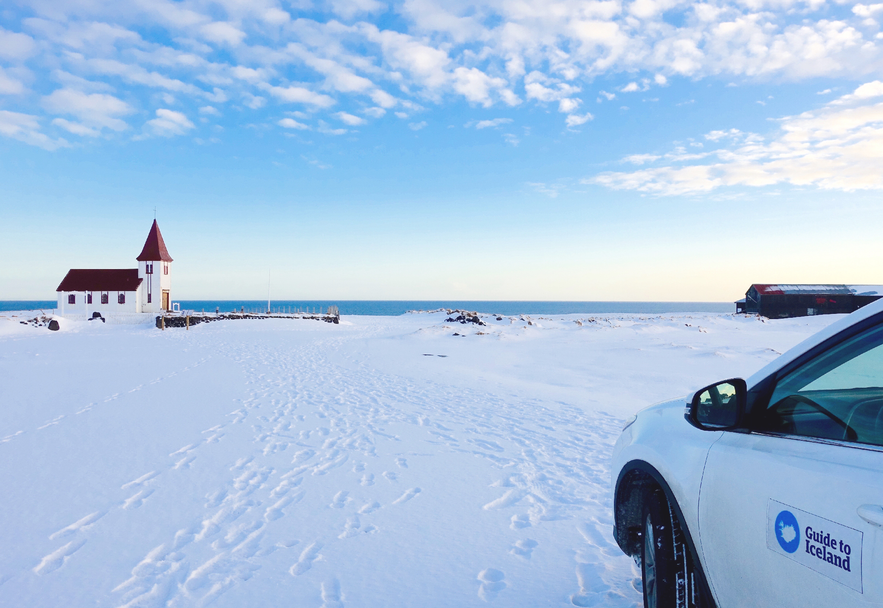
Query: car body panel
{"points": [[747, 478]]}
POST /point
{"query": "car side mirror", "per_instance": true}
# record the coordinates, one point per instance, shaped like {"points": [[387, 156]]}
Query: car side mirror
{"points": [[719, 406]]}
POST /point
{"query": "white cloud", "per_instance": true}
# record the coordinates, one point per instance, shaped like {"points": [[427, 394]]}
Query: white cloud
{"points": [[476, 86], [294, 94], [535, 88], [416, 126], [290, 123], [511, 139], [222, 32], [209, 110], [15, 46], [375, 112], [254, 102], [95, 110], [640, 159], [350, 8], [26, 128], [168, 123], [10, 85], [568, 105], [607, 96], [574, 120], [76, 128], [837, 147], [328, 130], [350, 119], [630, 88], [496, 122]]}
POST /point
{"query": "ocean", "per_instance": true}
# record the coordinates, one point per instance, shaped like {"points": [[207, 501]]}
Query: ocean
{"points": [[400, 307]]}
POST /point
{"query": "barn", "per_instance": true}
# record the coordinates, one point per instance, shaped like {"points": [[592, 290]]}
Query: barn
{"points": [[784, 301]]}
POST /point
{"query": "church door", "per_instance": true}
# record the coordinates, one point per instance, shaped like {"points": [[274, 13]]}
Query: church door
{"points": [[165, 300]]}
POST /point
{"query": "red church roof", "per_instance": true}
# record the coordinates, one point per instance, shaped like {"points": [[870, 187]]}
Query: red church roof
{"points": [[154, 248], [101, 280]]}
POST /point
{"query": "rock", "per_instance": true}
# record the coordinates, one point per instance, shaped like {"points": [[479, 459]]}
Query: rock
{"points": [[53, 325]]}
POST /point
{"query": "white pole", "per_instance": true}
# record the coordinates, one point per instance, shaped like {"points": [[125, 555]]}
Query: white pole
{"points": [[268, 291]]}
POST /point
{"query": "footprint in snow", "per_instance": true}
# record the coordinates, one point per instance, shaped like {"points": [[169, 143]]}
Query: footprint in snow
{"points": [[524, 548], [307, 557], [491, 584]]}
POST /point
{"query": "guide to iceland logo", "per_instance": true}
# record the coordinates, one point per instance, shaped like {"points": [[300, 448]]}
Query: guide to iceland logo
{"points": [[787, 531]]}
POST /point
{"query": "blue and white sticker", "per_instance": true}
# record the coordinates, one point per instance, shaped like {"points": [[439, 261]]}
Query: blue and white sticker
{"points": [[822, 545]]}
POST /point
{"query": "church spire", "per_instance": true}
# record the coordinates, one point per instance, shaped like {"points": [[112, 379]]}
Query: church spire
{"points": [[154, 248]]}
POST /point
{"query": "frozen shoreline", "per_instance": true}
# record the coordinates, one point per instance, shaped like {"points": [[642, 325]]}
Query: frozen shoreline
{"points": [[315, 464]]}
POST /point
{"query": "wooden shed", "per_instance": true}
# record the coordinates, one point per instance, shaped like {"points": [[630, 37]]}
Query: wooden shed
{"points": [[784, 301]]}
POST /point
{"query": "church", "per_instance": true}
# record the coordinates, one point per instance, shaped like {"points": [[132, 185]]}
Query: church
{"points": [[143, 290]]}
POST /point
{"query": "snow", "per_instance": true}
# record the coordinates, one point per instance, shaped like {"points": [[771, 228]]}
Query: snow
{"points": [[379, 462]]}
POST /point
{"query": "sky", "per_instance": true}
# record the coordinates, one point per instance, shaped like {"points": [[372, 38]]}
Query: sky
{"points": [[428, 149]]}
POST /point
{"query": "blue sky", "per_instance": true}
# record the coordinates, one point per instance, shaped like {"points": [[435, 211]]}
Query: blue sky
{"points": [[361, 149]]}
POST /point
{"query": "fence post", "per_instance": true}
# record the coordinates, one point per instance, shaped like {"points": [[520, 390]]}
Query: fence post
{"points": [[162, 321], [188, 322]]}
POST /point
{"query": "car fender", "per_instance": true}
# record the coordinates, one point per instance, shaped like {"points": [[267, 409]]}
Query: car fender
{"points": [[661, 445]]}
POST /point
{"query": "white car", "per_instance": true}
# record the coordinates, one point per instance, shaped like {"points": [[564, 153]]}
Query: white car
{"points": [[766, 492]]}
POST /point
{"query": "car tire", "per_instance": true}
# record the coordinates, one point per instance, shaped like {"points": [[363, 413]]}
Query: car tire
{"points": [[659, 558]]}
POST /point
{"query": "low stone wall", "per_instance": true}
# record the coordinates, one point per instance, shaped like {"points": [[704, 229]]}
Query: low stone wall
{"points": [[181, 321]]}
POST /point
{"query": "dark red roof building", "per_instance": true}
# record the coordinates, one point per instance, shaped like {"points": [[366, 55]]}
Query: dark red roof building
{"points": [[146, 289], [126, 279], [779, 301], [154, 247]]}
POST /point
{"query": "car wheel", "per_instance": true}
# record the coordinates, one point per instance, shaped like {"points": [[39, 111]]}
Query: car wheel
{"points": [[659, 558]]}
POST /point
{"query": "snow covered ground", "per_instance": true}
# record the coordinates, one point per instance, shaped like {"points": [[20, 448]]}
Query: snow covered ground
{"points": [[383, 462]]}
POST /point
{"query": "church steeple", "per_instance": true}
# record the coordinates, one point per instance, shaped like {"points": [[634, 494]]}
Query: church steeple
{"points": [[154, 247]]}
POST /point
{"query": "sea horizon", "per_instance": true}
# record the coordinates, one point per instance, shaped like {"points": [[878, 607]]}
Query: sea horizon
{"points": [[400, 307]]}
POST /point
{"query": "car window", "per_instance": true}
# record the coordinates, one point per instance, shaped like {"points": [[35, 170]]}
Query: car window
{"points": [[836, 395]]}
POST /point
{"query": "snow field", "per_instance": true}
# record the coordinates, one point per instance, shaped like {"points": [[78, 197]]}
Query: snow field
{"points": [[380, 462]]}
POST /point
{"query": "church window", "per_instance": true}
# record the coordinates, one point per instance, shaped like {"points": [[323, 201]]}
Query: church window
{"points": [[165, 269], [72, 299], [149, 268], [88, 298], [149, 297], [104, 298], [121, 298]]}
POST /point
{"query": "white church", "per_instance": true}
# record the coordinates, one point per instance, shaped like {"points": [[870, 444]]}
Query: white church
{"points": [[143, 290]]}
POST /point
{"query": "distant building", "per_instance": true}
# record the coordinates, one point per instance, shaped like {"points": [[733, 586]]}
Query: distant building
{"points": [[146, 289], [783, 301]]}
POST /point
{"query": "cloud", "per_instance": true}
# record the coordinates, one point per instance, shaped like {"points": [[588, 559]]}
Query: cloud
{"points": [[76, 128], [209, 110], [640, 159], [26, 128], [837, 147], [630, 88], [568, 105], [295, 94], [222, 32], [254, 102], [96, 111], [574, 120], [375, 112], [353, 121], [290, 123], [416, 126], [328, 130], [350, 8], [496, 122], [168, 123], [10, 85], [15, 46]]}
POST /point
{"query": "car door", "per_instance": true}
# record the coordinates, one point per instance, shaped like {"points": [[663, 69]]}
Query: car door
{"points": [[791, 512]]}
